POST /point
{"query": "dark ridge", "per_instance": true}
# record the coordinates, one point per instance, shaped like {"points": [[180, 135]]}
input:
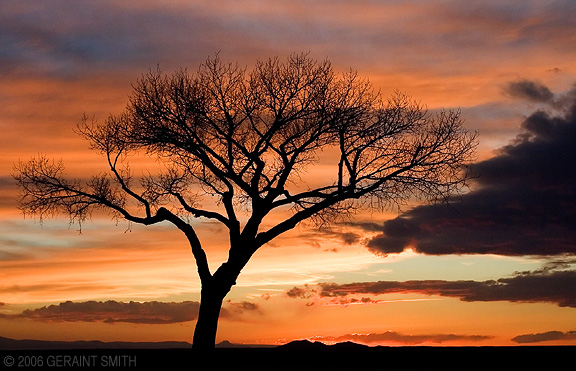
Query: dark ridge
{"points": [[349, 346], [228, 345], [305, 345], [297, 355], [28, 344]]}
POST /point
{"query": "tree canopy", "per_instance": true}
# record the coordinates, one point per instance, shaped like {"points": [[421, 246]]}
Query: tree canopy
{"points": [[246, 142]]}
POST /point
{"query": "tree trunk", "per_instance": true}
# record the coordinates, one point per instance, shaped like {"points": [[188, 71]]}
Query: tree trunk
{"points": [[211, 298], [207, 324]]}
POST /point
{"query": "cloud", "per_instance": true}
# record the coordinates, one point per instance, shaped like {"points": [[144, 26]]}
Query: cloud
{"points": [[61, 39], [299, 292], [530, 90], [40, 42], [542, 286], [7, 199], [59, 36], [399, 338], [523, 201], [537, 92], [235, 309], [343, 236], [545, 336], [111, 311]]}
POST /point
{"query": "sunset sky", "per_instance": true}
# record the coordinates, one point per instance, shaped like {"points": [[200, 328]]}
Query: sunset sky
{"points": [[497, 267]]}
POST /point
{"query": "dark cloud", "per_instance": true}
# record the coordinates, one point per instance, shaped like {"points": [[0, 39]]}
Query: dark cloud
{"points": [[396, 337], [111, 311], [299, 292], [545, 336], [523, 202], [542, 286], [152, 312], [530, 90]]}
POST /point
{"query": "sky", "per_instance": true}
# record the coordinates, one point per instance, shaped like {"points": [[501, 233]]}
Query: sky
{"points": [[495, 267]]}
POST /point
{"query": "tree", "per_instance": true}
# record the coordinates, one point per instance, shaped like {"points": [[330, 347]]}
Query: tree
{"points": [[246, 141]]}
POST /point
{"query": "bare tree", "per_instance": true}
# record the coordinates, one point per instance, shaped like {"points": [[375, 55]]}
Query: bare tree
{"points": [[247, 140]]}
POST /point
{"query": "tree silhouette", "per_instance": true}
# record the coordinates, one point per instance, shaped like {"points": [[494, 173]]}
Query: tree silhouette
{"points": [[248, 141]]}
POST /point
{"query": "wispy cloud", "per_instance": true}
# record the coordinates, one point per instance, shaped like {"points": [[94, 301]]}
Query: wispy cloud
{"points": [[103, 262], [66, 40], [544, 336], [542, 286], [62, 38], [399, 338], [111, 311]]}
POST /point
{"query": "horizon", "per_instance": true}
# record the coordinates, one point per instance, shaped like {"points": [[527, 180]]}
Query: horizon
{"points": [[33, 344], [497, 267], [304, 355]]}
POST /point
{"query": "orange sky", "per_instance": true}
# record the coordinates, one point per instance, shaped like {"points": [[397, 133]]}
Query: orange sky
{"points": [[498, 61]]}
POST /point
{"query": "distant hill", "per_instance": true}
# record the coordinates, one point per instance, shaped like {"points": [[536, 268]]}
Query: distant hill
{"points": [[304, 355], [354, 356], [306, 345], [228, 345], [303, 345], [28, 344], [297, 345]]}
